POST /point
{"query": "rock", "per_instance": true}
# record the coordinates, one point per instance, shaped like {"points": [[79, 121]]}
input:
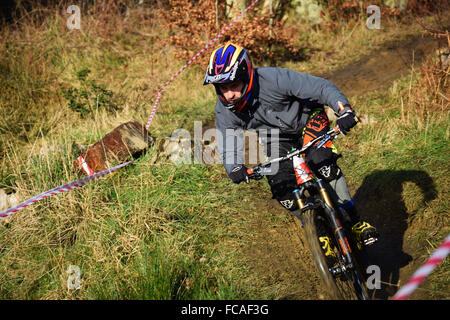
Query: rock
{"points": [[175, 150], [202, 148], [127, 140], [178, 150], [3, 200], [8, 200], [13, 199]]}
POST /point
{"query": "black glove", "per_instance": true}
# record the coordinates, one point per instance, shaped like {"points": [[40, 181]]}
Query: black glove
{"points": [[346, 122], [239, 174]]}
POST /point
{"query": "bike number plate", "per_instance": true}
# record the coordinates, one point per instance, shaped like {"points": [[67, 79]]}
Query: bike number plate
{"points": [[302, 172]]}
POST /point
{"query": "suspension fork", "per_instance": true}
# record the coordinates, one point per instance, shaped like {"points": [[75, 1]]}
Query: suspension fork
{"points": [[336, 224], [298, 197], [323, 192], [332, 218]]}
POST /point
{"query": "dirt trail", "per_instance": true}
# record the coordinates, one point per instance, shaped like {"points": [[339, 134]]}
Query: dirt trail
{"points": [[378, 70], [276, 253]]}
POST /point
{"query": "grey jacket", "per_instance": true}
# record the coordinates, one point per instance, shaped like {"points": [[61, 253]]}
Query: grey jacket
{"points": [[282, 99]]}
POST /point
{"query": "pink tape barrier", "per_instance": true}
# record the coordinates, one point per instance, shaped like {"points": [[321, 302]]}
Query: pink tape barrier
{"points": [[424, 271], [63, 188]]}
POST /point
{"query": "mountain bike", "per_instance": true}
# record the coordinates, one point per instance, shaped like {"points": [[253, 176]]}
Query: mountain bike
{"points": [[338, 257]]}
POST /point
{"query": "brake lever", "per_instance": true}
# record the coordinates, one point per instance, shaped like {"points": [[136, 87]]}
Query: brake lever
{"points": [[324, 140], [329, 137], [253, 173]]}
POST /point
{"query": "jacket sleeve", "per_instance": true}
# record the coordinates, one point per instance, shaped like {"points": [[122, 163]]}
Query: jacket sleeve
{"points": [[230, 139], [306, 86]]}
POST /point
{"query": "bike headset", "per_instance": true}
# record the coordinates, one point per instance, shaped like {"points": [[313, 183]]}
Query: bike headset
{"points": [[230, 63]]}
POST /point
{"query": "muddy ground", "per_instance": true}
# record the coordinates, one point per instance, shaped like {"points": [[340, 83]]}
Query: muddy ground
{"points": [[276, 252]]}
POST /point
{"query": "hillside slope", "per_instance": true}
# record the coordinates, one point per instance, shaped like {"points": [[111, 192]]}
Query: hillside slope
{"points": [[157, 230]]}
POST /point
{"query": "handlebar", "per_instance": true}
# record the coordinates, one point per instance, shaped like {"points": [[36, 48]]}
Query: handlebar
{"points": [[258, 171]]}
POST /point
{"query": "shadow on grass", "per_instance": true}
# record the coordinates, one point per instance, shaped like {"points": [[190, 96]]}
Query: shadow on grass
{"points": [[380, 202]]}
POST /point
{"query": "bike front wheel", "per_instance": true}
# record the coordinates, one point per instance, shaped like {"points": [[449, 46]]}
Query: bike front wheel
{"points": [[340, 282]]}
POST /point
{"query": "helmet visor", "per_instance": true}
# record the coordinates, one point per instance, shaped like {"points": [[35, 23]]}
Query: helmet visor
{"points": [[223, 77]]}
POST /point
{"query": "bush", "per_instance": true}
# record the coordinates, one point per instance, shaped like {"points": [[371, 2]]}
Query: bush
{"points": [[193, 25], [90, 96]]}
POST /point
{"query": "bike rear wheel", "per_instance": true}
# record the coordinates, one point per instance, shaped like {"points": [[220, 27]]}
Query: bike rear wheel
{"points": [[349, 284]]}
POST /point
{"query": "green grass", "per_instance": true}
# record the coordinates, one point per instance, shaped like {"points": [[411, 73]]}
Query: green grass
{"points": [[146, 232], [405, 155]]}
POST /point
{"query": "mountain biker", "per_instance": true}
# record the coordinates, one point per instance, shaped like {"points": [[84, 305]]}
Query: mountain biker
{"points": [[270, 98]]}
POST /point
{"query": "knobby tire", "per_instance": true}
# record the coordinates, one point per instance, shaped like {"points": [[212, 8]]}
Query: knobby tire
{"points": [[344, 287]]}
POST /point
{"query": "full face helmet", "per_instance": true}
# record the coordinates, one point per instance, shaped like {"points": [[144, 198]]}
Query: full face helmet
{"points": [[230, 63]]}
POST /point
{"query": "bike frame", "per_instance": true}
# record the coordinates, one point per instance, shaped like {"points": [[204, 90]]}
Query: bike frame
{"points": [[316, 184]]}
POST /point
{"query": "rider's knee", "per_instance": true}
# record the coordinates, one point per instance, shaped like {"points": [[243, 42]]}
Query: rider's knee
{"points": [[282, 184], [282, 192], [288, 201], [323, 162]]}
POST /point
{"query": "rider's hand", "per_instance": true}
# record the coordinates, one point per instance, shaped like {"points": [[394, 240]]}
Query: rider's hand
{"points": [[239, 174], [346, 121]]}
